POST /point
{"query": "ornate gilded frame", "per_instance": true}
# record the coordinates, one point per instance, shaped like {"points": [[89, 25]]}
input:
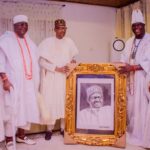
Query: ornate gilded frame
{"points": [[117, 138]]}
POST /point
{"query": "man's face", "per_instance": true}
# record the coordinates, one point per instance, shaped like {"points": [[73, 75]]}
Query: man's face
{"points": [[138, 29], [96, 100], [60, 31], [21, 28]]}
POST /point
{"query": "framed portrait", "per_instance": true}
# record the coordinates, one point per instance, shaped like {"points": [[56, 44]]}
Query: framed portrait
{"points": [[95, 112]]}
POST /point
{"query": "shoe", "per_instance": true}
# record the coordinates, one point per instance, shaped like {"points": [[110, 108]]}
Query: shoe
{"points": [[9, 145], [26, 140], [62, 132], [48, 135]]}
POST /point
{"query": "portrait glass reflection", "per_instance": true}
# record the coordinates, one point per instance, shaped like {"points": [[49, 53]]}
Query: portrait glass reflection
{"points": [[95, 104]]}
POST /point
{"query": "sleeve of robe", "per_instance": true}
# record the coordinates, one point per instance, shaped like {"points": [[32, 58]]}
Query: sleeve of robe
{"points": [[43, 53], [47, 65], [2, 61], [145, 62]]}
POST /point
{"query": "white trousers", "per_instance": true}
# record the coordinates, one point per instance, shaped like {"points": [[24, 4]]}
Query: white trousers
{"points": [[8, 129]]}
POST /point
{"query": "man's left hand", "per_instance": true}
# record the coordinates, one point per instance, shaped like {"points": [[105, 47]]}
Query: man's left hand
{"points": [[125, 69], [73, 61]]}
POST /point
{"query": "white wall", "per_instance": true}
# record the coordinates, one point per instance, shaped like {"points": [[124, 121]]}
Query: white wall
{"points": [[92, 28]]}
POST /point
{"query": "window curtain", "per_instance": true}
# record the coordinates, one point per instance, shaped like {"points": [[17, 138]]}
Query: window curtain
{"points": [[146, 6], [41, 17], [123, 18]]}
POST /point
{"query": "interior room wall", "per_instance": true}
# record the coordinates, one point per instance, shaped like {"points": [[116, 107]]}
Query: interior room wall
{"points": [[92, 28]]}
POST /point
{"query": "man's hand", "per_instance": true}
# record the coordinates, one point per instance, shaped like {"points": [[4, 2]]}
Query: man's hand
{"points": [[64, 69], [125, 69], [7, 85], [73, 61]]}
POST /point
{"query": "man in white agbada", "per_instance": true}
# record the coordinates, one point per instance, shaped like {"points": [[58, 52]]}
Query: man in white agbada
{"points": [[96, 116], [55, 53], [136, 57], [19, 72]]}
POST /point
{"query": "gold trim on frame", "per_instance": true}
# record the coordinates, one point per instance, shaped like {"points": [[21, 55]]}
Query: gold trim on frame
{"points": [[118, 138]]}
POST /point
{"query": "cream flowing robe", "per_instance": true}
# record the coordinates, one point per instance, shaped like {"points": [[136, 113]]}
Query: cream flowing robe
{"points": [[24, 105], [138, 108], [58, 52]]}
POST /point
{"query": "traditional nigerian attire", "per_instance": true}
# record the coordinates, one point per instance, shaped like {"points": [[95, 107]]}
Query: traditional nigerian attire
{"points": [[55, 52], [97, 119], [138, 107], [22, 102]]}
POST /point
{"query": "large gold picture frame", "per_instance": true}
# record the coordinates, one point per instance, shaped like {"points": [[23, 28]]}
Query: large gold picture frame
{"points": [[114, 88]]}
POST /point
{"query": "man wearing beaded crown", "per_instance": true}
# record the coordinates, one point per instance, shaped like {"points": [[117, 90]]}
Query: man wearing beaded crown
{"points": [[19, 77], [136, 59]]}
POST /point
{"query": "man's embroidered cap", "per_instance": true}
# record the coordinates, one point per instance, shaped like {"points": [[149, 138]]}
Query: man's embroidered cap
{"points": [[137, 16], [60, 22], [93, 89], [20, 18]]}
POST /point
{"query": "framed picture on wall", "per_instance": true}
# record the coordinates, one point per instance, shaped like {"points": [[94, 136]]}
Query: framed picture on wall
{"points": [[96, 106]]}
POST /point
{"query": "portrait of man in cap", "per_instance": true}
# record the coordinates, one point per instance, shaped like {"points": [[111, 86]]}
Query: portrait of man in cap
{"points": [[95, 110]]}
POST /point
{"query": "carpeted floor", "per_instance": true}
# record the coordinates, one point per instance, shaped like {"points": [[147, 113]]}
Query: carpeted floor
{"points": [[56, 143]]}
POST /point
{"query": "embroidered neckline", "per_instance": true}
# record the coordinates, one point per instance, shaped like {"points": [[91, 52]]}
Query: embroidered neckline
{"points": [[135, 48], [28, 75]]}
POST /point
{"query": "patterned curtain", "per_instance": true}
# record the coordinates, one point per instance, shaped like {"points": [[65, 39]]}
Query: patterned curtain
{"points": [[123, 18], [41, 16], [146, 8]]}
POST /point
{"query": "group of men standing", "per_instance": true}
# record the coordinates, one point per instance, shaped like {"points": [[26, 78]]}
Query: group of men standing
{"points": [[20, 62]]}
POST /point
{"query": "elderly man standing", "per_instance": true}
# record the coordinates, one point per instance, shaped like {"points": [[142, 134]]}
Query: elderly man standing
{"points": [[136, 59], [19, 72], [55, 53]]}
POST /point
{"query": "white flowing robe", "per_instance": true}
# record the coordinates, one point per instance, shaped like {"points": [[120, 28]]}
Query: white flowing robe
{"points": [[137, 104], [24, 105], [59, 52]]}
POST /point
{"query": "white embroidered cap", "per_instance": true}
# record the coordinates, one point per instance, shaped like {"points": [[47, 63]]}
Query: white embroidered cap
{"points": [[137, 16], [20, 18], [93, 89]]}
